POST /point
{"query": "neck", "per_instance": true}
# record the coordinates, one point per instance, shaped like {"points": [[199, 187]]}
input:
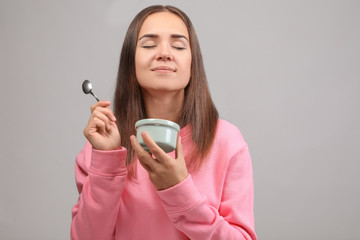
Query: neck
{"points": [[167, 106]]}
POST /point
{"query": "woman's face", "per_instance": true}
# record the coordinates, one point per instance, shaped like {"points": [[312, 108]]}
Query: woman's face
{"points": [[163, 54]]}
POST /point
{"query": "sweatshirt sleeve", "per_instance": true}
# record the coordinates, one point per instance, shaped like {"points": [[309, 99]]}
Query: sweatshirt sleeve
{"points": [[191, 213], [100, 179]]}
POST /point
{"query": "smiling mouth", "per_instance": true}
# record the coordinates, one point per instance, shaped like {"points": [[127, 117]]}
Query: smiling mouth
{"points": [[163, 69]]}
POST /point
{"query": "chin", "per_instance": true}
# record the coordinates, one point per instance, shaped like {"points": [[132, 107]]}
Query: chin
{"points": [[163, 89]]}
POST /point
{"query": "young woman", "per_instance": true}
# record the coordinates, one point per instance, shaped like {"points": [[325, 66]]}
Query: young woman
{"points": [[202, 190]]}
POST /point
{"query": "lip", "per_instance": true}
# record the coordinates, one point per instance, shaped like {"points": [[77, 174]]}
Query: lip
{"points": [[163, 69]]}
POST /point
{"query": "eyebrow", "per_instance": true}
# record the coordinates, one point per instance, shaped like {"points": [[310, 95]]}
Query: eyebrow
{"points": [[176, 36]]}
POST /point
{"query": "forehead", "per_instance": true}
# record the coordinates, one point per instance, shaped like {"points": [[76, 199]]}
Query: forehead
{"points": [[163, 23]]}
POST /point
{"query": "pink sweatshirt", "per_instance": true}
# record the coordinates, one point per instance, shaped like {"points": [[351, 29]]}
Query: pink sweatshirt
{"points": [[215, 202]]}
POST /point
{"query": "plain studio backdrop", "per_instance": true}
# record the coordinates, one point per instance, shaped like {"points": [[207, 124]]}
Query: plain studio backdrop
{"points": [[286, 73]]}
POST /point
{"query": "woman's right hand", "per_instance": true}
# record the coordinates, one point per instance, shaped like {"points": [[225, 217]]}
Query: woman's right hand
{"points": [[101, 130]]}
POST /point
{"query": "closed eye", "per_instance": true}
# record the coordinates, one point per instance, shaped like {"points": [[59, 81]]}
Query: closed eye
{"points": [[150, 46], [179, 48]]}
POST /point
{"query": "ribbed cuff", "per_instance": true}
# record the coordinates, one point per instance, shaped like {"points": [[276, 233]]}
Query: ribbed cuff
{"points": [[180, 197], [108, 162]]}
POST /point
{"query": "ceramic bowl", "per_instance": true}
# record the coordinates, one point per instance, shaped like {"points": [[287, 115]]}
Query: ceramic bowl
{"points": [[163, 132]]}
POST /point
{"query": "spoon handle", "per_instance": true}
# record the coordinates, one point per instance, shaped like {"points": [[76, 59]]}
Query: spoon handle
{"points": [[94, 96]]}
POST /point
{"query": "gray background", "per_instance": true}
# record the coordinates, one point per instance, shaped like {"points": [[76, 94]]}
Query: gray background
{"points": [[285, 72]]}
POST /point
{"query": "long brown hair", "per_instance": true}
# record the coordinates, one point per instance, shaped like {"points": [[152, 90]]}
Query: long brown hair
{"points": [[199, 110]]}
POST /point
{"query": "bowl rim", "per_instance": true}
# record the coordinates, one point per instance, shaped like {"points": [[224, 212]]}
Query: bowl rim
{"points": [[158, 122]]}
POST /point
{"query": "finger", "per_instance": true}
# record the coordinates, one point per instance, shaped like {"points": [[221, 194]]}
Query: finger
{"points": [[153, 147], [179, 152], [147, 167], [143, 156], [101, 103], [107, 112], [100, 125], [100, 115]]}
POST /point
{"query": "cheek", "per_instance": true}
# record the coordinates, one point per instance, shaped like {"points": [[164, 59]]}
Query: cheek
{"points": [[139, 64], [142, 61], [138, 58], [187, 65], [186, 70], [136, 62]]}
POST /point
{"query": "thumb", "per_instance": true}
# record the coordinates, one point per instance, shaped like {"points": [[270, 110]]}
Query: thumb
{"points": [[179, 153]]}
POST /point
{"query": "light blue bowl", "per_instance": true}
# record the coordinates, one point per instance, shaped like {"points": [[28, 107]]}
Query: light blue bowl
{"points": [[163, 132]]}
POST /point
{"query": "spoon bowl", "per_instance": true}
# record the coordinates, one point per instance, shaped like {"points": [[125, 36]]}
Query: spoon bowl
{"points": [[87, 88]]}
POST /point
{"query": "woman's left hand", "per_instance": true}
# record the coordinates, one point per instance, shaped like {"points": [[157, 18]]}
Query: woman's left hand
{"points": [[164, 171]]}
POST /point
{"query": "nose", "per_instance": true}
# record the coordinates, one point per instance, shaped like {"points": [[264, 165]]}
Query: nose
{"points": [[164, 53]]}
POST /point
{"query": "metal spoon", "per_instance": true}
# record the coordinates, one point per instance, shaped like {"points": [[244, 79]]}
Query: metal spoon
{"points": [[87, 88]]}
